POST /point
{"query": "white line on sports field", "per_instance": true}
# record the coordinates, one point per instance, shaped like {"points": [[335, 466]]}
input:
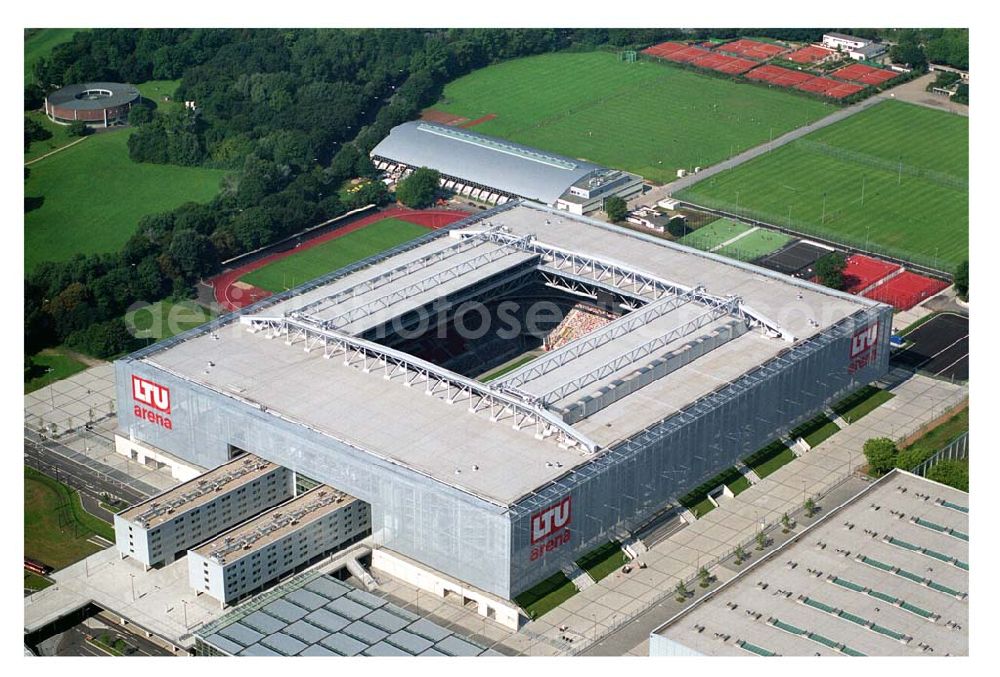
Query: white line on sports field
{"points": [[734, 239], [53, 152]]}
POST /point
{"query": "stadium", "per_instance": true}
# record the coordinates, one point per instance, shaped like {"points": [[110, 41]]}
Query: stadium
{"points": [[99, 104], [508, 392]]}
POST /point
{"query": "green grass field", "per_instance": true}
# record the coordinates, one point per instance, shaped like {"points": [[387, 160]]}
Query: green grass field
{"points": [[603, 561], [507, 368], [56, 528], [164, 319], [333, 254], [861, 403], [94, 196], [50, 366], [714, 234], [755, 244], [648, 118], [547, 595], [910, 163], [39, 42], [155, 90]]}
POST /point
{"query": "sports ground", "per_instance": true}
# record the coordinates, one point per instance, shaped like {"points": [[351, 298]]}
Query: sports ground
{"points": [[353, 241], [93, 195], [648, 118], [892, 179], [735, 240]]}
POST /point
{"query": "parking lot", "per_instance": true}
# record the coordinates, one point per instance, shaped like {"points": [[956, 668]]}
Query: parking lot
{"points": [[939, 347]]}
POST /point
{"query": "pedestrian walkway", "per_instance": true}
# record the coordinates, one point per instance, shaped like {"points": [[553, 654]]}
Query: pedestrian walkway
{"points": [[616, 599]]}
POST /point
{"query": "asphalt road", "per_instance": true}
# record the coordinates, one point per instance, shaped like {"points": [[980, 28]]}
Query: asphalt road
{"points": [[89, 481]]}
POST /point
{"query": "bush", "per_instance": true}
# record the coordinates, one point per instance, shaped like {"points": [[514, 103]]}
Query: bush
{"points": [[954, 473], [830, 271], [78, 128], [962, 280], [882, 454]]}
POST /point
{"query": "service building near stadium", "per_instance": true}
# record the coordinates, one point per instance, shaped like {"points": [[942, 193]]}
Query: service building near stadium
{"points": [[483, 489], [495, 171]]}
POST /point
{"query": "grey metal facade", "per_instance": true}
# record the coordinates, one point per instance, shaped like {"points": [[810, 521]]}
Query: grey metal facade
{"points": [[488, 545]]}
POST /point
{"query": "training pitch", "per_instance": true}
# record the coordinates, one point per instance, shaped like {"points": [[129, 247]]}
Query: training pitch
{"points": [[649, 118], [93, 195], [311, 263], [892, 179]]}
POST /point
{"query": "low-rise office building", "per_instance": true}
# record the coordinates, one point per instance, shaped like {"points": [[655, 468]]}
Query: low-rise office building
{"points": [[163, 528], [251, 556]]}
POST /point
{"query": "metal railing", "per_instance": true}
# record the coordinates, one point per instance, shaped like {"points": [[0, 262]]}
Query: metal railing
{"points": [[957, 449]]}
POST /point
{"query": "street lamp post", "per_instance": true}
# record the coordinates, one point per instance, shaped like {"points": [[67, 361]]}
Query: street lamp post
{"points": [[131, 578]]}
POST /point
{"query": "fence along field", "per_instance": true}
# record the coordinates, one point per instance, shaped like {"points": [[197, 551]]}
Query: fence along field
{"points": [[892, 179], [648, 118]]}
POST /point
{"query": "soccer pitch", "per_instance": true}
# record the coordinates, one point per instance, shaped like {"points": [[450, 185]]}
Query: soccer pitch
{"points": [[93, 196], [310, 263], [892, 179], [648, 118]]}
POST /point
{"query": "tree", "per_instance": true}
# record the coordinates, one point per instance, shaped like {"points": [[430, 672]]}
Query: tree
{"points": [[682, 591], [704, 578], [677, 226], [809, 506], [830, 271], [34, 131], [881, 454], [616, 209], [418, 189], [954, 473], [740, 554], [786, 523], [962, 280], [762, 540], [140, 115], [78, 128]]}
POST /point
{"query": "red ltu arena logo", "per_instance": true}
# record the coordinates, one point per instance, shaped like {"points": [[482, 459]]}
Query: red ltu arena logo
{"points": [[864, 348], [152, 395], [550, 527]]}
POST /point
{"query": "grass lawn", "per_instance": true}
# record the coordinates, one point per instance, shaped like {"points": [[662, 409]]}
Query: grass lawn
{"points": [[768, 465], [51, 365], [648, 118], [714, 234], [697, 501], [34, 581], [754, 245], [603, 561], [861, 403], [60, 137], [155, 90], [739, 486], [39, 42], [823, 432], [94, 196], [164, 319], [934, 440], [546, 596], [56, 527], [333, 254], [890, 152]]}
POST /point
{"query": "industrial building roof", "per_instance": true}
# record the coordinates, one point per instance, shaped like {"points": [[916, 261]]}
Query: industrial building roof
{"points": [[489, 161], [885, 575], [317, 615], [273, 525], [373, 412], [179, 500]]}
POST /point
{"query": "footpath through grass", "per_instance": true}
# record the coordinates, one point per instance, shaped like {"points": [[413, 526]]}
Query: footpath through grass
{"points": [[324, 258], [546, 596], [93, 196], [645, 117], [50, 366], [855, 182], [56, 527], [60, 138]]}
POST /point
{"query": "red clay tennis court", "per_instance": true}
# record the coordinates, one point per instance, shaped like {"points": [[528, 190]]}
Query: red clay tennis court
{"points": [[752, 49], [676, 51], [906, 290], [724, 64], [827, 87], [866, 75], [862, 271], [809, 54], [782, 77]]}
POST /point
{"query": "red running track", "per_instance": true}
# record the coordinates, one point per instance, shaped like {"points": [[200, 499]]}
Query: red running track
{"points": [[232, 297], [862, 271], [906, 290]]}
